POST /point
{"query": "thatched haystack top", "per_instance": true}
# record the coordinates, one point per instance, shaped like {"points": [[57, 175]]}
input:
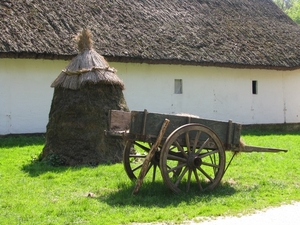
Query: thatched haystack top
{"points": [[87, 67], [233, 33]]}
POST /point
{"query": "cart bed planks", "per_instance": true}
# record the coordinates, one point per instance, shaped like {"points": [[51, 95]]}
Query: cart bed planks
{"points": [[145, 126]]}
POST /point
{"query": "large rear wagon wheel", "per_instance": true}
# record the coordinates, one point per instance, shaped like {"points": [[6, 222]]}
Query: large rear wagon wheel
{"points": [[192, 155], [133, 157]]}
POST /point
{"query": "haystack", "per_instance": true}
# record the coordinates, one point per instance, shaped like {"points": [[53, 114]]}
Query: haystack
{"points": [[84, 92]]}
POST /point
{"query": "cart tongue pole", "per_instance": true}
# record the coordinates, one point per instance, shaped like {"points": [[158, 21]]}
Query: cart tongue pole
{"points": [[148, 158], [249, 148]]}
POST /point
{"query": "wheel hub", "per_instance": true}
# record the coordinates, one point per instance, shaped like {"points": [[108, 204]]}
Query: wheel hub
{"points": [[194, 161]]}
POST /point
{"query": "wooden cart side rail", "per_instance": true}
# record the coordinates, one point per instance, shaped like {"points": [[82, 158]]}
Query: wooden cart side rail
{"points": [[147, 125], [144, 126]]}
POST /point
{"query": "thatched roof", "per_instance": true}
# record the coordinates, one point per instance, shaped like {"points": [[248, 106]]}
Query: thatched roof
{"points": [[234, 33], [87, 67]]}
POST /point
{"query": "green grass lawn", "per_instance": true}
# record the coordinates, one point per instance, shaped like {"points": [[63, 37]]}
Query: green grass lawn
{"points": [[32, 192]]}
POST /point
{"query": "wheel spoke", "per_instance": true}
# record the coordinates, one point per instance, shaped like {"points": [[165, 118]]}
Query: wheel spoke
{"points": [[213, 160], [205, 174], [176, 158], [181, 149], [187, 141], [208, 153], [173, 147], [197, 179], [142, 146], [196, 140], [149, 167], [137, 156], [154, 173], [175, 168], [211, 165], [181, 176], [137, 168], [202, 146]]}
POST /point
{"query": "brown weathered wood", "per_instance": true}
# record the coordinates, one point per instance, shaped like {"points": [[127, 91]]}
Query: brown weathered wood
{"points": [[248, 148], [229, 134], [153, 121], [119, 120], [148, 158], [144, 122]]}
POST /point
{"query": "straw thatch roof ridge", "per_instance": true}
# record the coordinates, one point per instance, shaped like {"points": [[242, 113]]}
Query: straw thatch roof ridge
{"points": [[87, 67], [233, 33]]}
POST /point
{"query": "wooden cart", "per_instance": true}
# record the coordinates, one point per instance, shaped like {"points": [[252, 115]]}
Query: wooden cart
{"points": [[188, 150]]}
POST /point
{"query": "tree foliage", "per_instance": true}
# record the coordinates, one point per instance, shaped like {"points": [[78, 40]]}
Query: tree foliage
{"points": [[291, 8], [294, 12]]}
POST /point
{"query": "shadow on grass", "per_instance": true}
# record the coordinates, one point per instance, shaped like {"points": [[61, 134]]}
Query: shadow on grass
{"points": [[157, 194], [36, 168], [16, 140]]}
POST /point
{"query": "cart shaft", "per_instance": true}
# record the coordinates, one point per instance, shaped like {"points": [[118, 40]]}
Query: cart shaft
{"points": [[249, 148]]}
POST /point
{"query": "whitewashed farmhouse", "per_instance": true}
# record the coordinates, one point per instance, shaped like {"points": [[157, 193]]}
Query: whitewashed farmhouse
{"points": [[219, 59]]}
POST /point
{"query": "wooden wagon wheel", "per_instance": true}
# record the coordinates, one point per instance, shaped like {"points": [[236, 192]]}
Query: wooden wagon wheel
{"points": [[134, 156], [192, 155]]}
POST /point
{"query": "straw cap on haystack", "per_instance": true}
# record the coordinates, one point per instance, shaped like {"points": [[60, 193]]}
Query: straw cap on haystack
{"points": [[87, 67]]}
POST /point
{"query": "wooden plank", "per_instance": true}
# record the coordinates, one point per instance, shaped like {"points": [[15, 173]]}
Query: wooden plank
{"points": [[154, 121], [149, 157], [119, 120], [229, 134]]}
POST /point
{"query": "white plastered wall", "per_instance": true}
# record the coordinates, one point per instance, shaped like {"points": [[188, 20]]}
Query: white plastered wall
{"points": [[213, 92], [291, 97], [210, 92], [25, 94]]}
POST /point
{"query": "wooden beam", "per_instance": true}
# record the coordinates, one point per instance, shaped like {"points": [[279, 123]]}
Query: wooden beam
{"points": [[148, 158]]}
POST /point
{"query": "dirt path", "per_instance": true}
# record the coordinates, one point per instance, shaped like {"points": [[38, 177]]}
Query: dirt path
{"points": [[283, 215]]}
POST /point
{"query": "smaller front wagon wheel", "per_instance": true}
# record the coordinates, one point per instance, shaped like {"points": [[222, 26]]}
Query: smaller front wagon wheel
{"points": [[134, 156]]}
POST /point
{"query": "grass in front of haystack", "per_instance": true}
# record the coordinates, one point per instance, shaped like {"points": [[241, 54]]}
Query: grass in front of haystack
{"points": [[32, 192]]}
